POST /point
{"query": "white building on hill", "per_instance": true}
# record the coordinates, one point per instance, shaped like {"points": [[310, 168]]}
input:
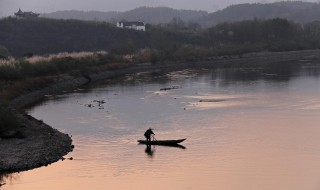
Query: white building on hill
{"points": [[136, 25]]}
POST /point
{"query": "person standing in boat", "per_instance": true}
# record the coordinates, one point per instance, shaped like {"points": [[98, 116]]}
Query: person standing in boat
{"points": [[148, 134]]}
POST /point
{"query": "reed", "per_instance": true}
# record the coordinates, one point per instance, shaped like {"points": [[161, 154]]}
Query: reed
{"points": [[15, 69]]}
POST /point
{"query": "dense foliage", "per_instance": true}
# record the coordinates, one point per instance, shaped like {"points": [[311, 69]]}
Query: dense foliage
{"points": [[192, 43], [4, 53], [176, 41], [42, 36]]}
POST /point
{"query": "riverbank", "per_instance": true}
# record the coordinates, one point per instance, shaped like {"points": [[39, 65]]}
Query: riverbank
{"points": [[41, 145]]}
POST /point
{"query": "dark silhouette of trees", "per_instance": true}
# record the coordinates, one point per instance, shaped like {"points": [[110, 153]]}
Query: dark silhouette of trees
{"points": [[177, 40], [4, 53], [44, 36]]}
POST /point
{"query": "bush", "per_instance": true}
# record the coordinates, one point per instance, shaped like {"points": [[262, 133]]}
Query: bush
{"points": [[9, 72], [4, 53]]}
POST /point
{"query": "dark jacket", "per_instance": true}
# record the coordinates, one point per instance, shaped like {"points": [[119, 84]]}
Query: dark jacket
{"points": [[148, 133]]}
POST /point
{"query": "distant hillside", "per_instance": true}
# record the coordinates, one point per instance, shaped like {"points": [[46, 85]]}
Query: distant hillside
{"points": [[296, 11], [292, 10], [156, 15], [152, 15], [81, 15]]}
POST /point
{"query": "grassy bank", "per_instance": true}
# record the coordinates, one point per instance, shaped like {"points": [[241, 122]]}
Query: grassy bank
{"points": [[23, 75], [38, 66]]}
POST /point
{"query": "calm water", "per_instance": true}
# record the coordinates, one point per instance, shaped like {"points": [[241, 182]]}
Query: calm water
{"points": [[245, 129]]}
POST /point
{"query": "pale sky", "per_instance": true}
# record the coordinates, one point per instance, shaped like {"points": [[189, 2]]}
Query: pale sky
{"points": [[8, 7]]}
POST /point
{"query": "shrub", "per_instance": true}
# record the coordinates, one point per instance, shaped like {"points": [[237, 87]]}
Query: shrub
{"points": [[4, 53]]}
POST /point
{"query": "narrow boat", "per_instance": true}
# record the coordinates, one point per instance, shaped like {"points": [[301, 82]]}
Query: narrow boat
{"points": [[161, 142]]}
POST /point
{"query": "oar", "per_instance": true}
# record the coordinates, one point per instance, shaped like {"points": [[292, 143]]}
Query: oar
{"points": [[154, 138]]}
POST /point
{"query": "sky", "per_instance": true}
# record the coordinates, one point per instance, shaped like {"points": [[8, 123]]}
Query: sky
{"points": [[8, 7]]}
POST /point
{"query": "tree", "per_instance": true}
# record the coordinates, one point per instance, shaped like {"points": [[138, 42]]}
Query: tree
{"points": [[4, 53]]}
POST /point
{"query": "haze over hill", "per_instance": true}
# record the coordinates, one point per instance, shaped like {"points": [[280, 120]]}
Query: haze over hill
{"points": [[296, 11], [152, 15], [7, 7]]}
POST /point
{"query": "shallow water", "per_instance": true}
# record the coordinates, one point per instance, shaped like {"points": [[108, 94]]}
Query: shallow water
{"points": [[245, 129]]}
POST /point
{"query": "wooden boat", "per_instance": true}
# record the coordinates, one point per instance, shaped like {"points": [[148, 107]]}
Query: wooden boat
{"points": [[161, 142]]}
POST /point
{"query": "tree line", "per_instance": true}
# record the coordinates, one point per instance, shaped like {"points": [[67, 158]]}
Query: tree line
{"points": [[176, 40]]}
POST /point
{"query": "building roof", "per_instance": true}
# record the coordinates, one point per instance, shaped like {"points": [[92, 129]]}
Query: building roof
{"points": [[26, 14], [19, 11]]}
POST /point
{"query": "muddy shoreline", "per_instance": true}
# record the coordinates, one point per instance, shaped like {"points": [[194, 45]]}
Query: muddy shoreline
{"points": [[41, 146], [44, 145]]}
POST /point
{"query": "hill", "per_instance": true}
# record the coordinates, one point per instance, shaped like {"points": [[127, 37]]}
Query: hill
{"points": [[81, 15], [157, 15], [296, 11], [151, 15]]}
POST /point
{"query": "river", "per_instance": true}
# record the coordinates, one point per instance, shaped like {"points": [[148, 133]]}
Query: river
{"points": [[246, 129]]}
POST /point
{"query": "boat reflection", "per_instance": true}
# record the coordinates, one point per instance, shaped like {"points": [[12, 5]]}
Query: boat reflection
{"points": [[150, 149]]}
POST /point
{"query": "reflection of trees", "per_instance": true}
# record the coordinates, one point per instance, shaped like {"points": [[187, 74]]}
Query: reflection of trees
{"points": [[281, 72], [311, 71], [276, 71]]}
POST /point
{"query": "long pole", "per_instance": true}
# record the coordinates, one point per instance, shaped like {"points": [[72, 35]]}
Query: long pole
{"points": [[154, 138]]}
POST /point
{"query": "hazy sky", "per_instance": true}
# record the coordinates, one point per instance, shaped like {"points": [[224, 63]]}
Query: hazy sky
{"points": [[8, 7]]}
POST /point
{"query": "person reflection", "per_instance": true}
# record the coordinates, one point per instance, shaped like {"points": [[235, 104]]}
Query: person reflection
{"points": [[149, 150]]}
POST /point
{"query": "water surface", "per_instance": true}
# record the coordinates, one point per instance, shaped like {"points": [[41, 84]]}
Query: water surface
{"points": [[245, 129]]}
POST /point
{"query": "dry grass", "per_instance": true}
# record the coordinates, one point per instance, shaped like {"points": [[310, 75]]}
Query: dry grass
{"points": [[41, 59], [13, 69], [74, 55], [6, 62], [142, 56]]}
